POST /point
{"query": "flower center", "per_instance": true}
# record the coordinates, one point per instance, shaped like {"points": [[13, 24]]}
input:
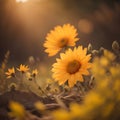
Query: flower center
{"points": [[73, 66], [13, 74], [63, 42]]}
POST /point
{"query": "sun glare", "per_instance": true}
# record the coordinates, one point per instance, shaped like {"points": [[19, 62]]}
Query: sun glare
{"points": [[23, 1]]}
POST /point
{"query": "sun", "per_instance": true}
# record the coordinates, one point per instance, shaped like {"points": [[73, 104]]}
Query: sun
{"points": [[23, 1]]}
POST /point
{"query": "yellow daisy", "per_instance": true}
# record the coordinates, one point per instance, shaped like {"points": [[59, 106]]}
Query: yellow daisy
{"points": [[10, 73], [23, 68], [71, 66], [60, 37], [17, 110], [34, 72]]}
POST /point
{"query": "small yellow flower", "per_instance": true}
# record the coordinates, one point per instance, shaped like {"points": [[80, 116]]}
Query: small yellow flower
{"points": [[23, 68], [104, 61], [60, 37], [34, 72], [75, 109], [39, 106], [71, 66], [17, 110], [115, 70], [61, 114], [109, 55], [10, 73]]}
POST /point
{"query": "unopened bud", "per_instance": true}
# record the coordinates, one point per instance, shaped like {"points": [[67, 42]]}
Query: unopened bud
{"points": [[101, 50], [89, 48], [13, 87], [115, 46], [95, 52]]}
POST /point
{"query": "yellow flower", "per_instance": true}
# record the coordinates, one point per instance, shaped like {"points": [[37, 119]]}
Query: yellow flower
{"points": [[71, 66], [34, 72], [61, 115], [115, 70], [17, 110], [75, 110], [60, 37], [104, 61], [23, 68], [40, 106], [10, 73], [93, 99], [108, 109], [109, 55]]}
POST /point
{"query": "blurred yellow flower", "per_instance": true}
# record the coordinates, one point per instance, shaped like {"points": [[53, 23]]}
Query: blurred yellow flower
{"points": [[75, 110], [39, 106], [108, 109], [104, 61], [61, 115], [60, 37], [23, 68], [101, 63], [17, 110], [109, 55], [34, 72], [10, 73], [94, 99], [71, 66], [115, 71]]}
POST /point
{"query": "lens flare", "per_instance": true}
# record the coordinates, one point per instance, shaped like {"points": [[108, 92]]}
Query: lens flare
{"points": [[23, 1]]}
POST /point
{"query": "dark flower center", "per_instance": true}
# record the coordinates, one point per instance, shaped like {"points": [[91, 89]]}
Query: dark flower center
{"points": [[63, 42], [73, 66], [13, 74]]}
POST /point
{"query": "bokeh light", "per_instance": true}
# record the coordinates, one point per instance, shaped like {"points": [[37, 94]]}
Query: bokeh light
{"points": [[85, 26], [23, 1]]}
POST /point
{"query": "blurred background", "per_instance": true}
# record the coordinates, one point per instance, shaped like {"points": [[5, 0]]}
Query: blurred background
{"points": [[25, 23]]}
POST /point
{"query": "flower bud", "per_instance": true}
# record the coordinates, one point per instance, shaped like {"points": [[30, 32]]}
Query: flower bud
{"points": [[95, 52], [89, 48], [115, 46]]}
